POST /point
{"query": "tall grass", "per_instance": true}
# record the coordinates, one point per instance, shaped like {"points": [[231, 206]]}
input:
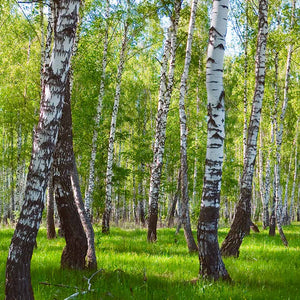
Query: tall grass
{"points": [[135, 269]]}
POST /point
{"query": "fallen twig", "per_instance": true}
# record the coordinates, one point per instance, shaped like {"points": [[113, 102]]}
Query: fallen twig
{"points": [[89, 286]]}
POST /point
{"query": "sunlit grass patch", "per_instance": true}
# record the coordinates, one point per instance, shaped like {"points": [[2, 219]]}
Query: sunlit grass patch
{"points": [[131, 268]]}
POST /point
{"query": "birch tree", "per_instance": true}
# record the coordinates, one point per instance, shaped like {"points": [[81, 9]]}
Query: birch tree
{"points": [[291, 214], [183, 135], [18, 280], [110, 154], [211, 264], [91, 181], [165, 92], [241, 223]]}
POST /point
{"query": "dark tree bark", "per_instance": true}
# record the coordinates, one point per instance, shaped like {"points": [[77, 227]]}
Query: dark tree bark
{"points": [[272, 222], [51, 234], [174, 202], [165, 92], [74, 253], [241, 223], [18, 279]]}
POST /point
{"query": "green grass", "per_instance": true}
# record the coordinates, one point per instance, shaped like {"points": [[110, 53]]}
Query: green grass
{"points": [[264, 270]]}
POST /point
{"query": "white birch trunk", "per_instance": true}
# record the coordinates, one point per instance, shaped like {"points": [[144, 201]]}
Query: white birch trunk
{"points": [[291, 215], [245, 129], [183, 135], [241, 223], [91, 181], [165, 92], [211, 263], [18, 283], [109, 171], [285, 217]]}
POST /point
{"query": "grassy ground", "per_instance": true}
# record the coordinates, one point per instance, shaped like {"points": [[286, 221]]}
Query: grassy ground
{"points": [[134, 269]]}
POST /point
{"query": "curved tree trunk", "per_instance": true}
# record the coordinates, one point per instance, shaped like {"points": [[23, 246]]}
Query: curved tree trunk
{"points": [[85, 220], [74, 253], [241, 223], [211, 263], [18, 280], [165, 92], [183, 136]]}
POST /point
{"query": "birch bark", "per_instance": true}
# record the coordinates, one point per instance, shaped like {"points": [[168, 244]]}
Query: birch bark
{"points": [[285, 217], [211, 263], [183, 135], [109, 171], [241, 223], [165, 92], [291, 215], [18, 280], [91, 182]]}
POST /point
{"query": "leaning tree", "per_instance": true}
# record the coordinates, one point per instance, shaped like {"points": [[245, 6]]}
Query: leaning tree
{"points": [[18, 280]]}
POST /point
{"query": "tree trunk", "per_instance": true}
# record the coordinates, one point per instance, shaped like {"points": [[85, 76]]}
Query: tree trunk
{"points": [[165, 92], [285, 216], [291, 215], [268, 182], [241, 223], [51, 234], [272, 222], [183, 136], [91, 182], [174, 202], [211, 263], [18, 280], [109, 171], [74, 253], [91, 259], [245, 84]]}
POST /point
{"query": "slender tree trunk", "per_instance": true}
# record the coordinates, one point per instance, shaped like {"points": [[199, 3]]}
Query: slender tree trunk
{"points": [[211, 263], [18, 280], [245, 84], [285, 216], [165, 92], [51, 234], [175, 201], [272, 225], [291, 215], [183, 135], [109, 171], [241, 223], [267, 190], [141, 197], [91, 182], [298, 204], [85, 220]]}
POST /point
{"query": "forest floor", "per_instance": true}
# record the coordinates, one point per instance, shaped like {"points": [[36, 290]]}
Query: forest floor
{"points": [[133, 269]]}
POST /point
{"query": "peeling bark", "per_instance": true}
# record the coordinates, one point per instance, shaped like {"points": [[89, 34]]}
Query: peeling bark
{"points": [[18, 280], [165, 92], [211, 263], [241, 223], [185, 217]]}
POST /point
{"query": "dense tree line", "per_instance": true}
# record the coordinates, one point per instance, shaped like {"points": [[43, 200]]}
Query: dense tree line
{"points": [[151, 139]]}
